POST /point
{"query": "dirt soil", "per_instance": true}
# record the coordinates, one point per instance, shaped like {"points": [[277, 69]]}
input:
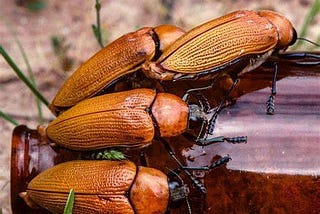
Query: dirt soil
{"points": [[72, 20]]}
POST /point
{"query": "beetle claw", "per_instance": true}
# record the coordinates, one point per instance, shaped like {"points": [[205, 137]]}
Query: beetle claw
{"points": [[270, 105]]}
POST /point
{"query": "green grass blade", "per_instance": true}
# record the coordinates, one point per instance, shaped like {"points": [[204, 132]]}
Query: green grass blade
{"points": [[69, 205], [22, 76], [8, 118], [29, 70], [30, 73], [36, 5], [314, 10], [97, 28]]}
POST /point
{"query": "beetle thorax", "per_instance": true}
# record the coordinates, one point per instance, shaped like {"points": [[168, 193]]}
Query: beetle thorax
{"points": [[171, 114], [150, 185], [286, 32]]}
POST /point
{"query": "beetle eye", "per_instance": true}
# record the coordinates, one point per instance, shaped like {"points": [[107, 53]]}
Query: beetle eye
{"points": [[174, 184], [196, 113], [294, 37]]}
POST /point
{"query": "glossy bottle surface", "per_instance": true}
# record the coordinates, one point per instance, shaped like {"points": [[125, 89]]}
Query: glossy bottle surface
{"points": [[277, 171]]}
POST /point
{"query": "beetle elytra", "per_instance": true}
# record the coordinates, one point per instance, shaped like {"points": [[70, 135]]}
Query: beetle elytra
{"points": [[121, 57]]}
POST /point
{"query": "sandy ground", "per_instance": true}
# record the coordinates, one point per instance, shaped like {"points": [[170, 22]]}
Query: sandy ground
{"points": [[72, 20]]}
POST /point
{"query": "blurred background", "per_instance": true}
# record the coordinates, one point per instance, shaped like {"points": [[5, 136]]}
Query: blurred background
{"points": [[57, 37]]}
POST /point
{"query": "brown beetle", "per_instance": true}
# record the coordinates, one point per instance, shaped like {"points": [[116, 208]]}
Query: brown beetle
{"points": [[103, 187], [130, 119], [123, 56], [237, 42], [232, 44], [108, 187]]}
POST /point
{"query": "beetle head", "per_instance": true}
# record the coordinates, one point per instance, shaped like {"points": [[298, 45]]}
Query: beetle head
{"points": [[179, 191], [196, 113], [287, 34]]}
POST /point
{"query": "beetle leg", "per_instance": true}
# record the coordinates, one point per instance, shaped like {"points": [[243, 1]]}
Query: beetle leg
{"points": [[203, 101], [270, 102], [212, 121], [217, 163], [198, 184], [143, 159]]}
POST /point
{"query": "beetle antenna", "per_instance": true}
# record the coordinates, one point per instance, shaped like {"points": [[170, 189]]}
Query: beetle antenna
{"points": [[201, 130], [307, 40], [184, 193], [185, 97], [293, 56], [195, 181], [221, 139]]}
